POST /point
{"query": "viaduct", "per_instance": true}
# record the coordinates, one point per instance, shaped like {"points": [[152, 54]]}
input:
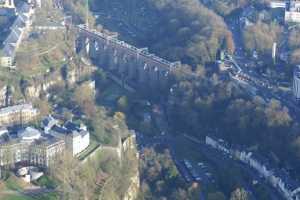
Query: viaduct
{"points": [[132, 65]]}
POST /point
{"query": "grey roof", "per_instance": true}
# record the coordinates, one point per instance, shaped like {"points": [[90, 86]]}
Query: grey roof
{"points": [[47, 139], [18, 23], [49, 121], [12, 38], [72, 126], [16, 30], [60, 130], [69, 128]]}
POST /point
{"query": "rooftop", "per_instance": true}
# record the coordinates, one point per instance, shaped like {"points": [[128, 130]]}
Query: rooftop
{"points": [[16, 30], [70, 128]]}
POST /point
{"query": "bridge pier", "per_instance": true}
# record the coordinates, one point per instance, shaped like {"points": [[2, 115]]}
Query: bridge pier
{"points": [[144, 74], [154, 77], [93, 49], [79, 44], [163, 78], [87, 46], [132, 70], [113, 59]]}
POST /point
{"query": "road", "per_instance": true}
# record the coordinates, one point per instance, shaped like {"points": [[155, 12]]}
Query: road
{"points": [[265, 88]]}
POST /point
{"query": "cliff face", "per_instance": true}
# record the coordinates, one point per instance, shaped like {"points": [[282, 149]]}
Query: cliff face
{"points": [[67, 75], [134, 187], [129, 147], [41, 84]]}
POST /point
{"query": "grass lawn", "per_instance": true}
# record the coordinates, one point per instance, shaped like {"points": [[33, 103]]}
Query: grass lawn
{"points": [[12, 183]]}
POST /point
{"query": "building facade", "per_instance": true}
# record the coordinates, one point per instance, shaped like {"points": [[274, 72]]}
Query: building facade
{"points": [[3, 95], [292, 9], [7, 4], [296, 83], [76, 137], [30, 147], [18, 114], [278, 178], [19, 28]]}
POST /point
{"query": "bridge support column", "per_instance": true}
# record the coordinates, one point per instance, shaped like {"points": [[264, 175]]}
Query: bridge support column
{"points": [[144, 73], [79, 44], [164, 76], [113, 60], [154, 76], [93, 49], [87, 46], [103, 56], [132, 69]]}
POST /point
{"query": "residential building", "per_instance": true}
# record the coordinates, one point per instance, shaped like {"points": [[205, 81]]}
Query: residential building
{"points": [[3, 95], [30, 146], [7, 4], [217, 144], [18, 114], [76, 137], [48, 123], [296, 83], [292, 9], [35, 3], [19, 28], [278, 178]]}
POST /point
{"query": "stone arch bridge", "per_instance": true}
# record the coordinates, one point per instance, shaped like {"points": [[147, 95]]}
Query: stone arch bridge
{"points": [[132, 65]]}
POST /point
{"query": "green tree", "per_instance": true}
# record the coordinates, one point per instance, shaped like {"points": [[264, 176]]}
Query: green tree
{"points": [[123, 103]]}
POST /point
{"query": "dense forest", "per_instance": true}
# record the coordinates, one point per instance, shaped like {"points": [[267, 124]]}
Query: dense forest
{"points": [[189, 32]]}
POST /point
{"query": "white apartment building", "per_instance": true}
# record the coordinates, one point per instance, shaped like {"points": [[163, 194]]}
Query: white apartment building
{"points": [[296, 83], [76, 137], [19, 28]]}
